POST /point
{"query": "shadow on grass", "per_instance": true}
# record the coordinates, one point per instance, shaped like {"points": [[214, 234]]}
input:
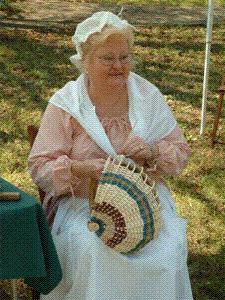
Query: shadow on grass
{"points": [[192, 189], [39, 62], [33, 67], [182, 87], [167, 85], [181, 46], [207, 272], [51, 66], [207, 275]]}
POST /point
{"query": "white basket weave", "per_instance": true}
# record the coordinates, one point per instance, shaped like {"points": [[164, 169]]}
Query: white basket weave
{"points": [[125, 209]]}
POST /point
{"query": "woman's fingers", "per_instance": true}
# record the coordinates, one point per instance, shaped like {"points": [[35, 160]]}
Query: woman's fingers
{"points": [[133, 147], [97, 166], [128, 146], [88, 168], [134, 151]]}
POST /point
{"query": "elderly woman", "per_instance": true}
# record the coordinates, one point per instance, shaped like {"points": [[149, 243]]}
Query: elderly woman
{"points": [[84, 122]]}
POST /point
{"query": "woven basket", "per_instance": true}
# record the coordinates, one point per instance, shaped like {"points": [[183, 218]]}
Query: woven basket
{"points": [[125, 209]]}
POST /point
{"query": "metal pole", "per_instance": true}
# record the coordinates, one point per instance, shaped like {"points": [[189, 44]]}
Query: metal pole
{"points": [[207, 61]]}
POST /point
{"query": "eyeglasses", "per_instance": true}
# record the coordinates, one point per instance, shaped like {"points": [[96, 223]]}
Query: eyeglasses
{"points": [[108, 60]]}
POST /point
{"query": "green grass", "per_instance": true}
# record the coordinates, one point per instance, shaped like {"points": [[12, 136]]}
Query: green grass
{"points": [[34, 65], [184, 3]]}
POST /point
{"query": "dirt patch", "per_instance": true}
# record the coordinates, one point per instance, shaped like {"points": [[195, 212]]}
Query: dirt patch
{"points": [[64, 15]]}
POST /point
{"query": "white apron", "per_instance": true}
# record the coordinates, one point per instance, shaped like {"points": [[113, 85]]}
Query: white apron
{"points": [[93, 271]]}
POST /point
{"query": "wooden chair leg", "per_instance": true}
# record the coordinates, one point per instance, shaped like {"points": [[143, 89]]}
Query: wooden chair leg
{"points": [[35, 295]]}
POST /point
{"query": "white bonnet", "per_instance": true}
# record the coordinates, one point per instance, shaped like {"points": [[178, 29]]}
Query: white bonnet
{"points": [[91, 25]]}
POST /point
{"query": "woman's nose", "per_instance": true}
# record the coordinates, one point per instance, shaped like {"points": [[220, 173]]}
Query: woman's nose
{"points": [[117, 64]]}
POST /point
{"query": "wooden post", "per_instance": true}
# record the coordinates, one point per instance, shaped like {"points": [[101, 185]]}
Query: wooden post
{"points": [[13, 288], [218, 112]]}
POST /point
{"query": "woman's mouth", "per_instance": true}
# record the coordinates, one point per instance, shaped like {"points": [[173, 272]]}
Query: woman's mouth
{"points": [[115, 75]]}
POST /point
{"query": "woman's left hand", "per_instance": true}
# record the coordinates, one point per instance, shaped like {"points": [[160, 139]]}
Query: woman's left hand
{"points": [[136, 149]]}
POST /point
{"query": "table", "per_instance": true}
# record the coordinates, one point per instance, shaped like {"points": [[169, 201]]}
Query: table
{"points": [[26, 246]]}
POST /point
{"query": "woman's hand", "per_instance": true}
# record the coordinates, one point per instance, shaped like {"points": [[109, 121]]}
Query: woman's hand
{"points": [[136, 149], [89, 168]]}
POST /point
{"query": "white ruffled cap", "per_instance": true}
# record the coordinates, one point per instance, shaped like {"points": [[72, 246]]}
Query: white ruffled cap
{"points": [[91, 25]]}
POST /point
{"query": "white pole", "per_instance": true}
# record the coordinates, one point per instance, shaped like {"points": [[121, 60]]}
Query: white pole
{"points": [[207, 61]]}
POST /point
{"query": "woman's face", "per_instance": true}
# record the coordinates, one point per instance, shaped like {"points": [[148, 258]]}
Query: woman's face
{"points": [[110, 64]]}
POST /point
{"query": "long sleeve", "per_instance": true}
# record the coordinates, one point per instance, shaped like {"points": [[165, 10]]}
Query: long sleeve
{"points": [[49, 163], [173, 153]]}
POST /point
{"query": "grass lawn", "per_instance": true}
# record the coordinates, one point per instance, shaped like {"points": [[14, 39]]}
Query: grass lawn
{"points": [[34, 65]]}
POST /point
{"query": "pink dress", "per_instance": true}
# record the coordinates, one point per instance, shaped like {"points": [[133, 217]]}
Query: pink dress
{"points": [[92, 271], [62, 139]]}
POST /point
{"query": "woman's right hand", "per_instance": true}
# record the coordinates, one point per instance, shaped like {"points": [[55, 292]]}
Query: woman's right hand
{"points": [[89, 168]]}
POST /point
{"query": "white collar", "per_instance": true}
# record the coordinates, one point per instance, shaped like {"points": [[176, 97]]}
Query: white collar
{"points": [[146, 104]]}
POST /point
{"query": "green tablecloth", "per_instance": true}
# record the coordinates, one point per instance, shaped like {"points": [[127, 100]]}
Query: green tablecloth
{"points": [[26, 246]]}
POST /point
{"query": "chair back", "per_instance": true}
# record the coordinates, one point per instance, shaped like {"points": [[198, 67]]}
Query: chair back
{"points": [[32, 132]]}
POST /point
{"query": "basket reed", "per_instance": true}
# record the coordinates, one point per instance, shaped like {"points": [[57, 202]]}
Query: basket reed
{"points": [[124, 206]]}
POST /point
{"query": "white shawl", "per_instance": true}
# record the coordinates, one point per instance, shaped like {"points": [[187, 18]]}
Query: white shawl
{"points": [[155, 121], [146, 105]]}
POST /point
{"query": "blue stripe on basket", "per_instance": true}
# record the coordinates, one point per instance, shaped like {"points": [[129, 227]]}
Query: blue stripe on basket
{"points": [[101, 224], [125, 184]]}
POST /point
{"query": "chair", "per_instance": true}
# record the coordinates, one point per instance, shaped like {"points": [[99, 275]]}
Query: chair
{"points": [[32, 132]]}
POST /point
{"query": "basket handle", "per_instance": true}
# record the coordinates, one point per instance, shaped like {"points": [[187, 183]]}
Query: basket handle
{"points": [[92, 191]]}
